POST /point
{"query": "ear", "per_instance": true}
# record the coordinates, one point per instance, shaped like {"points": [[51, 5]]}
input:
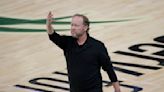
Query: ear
{"points": [[85, 28]]}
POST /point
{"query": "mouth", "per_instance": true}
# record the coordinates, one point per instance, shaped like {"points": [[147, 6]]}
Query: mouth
{"points": [[73, 34]]}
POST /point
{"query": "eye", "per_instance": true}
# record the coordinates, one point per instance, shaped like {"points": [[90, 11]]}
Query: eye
{"points": [[74, 25]]}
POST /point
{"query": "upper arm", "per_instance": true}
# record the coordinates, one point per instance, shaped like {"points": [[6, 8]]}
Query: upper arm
{"points": [[106, 63], [61, 41], [104, 58]]}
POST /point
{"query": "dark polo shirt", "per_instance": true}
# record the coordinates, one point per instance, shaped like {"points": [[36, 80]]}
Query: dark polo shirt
{"points": [[84, 63]]}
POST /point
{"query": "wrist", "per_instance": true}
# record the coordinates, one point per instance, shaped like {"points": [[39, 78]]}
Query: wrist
{"points": [[118, 90]]}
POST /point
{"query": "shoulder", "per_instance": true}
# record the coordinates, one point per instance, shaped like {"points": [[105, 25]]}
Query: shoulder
{"points": [[96, 42], [67, 37]]}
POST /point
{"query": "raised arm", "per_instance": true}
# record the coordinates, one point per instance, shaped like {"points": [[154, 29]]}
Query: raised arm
{"points": [[61, 41]]}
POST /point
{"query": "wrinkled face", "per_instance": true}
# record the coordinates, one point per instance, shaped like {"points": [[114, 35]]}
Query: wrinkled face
{"points": [[77, 27]]}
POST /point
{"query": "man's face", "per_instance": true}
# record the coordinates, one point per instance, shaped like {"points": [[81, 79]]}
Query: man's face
{"points": [[77, 27]]}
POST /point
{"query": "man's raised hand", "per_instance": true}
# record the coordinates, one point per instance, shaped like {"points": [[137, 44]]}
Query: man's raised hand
{"points": [[49, 21]]}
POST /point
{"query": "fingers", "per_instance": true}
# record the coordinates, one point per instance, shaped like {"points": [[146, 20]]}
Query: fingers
{"points": [[50, 17], [49, 13], [49, 23]]}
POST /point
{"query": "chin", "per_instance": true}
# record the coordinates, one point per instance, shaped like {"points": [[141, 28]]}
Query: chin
{"points": [[74, 35]]}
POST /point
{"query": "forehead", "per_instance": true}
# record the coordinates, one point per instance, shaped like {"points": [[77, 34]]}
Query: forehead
{"points": [[77, 19]]}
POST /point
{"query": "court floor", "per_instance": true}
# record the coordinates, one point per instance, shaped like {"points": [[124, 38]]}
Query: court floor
{"points": [[132, 31]]}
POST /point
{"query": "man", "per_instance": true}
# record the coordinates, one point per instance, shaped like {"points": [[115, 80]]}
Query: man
{"points": [[84, 55]]}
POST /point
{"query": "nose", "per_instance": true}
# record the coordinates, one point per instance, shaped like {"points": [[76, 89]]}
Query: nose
{"points": [[72, 27]]}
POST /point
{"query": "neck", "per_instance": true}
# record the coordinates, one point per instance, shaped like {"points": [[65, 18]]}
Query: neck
{"points": [[81, 40]]}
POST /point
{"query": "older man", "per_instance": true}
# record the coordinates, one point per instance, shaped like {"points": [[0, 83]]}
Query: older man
{"points": [[84, 55]]}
